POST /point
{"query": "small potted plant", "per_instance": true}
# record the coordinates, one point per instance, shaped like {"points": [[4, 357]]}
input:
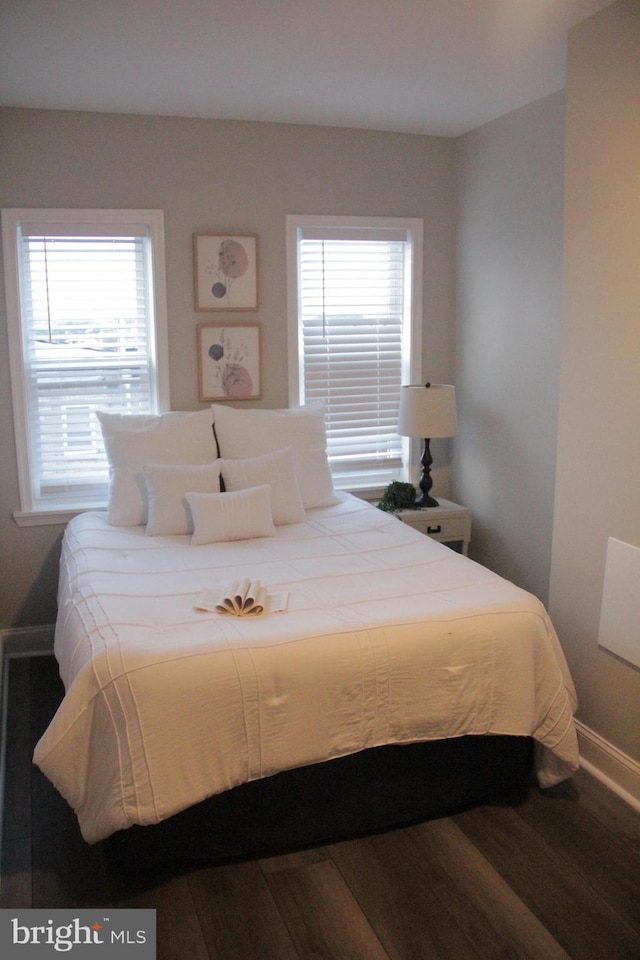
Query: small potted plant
{"points": [[398, 496]]}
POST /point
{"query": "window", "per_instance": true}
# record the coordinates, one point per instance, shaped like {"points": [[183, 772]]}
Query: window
{"points": [[355, 297], [87, 331]]}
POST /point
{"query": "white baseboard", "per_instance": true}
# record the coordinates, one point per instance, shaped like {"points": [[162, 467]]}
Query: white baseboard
{"points": [[17, 642], [615, 769], [26, 641]]}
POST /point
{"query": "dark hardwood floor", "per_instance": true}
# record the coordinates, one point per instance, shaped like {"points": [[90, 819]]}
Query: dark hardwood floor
{"points": [[555, 877]]}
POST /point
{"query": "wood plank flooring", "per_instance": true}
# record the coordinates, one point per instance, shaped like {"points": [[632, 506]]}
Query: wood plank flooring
{"points": [[557, 877]]}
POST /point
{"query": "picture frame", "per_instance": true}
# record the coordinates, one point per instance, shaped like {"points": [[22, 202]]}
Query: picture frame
{"points": [[229, 361], [225, 268]]}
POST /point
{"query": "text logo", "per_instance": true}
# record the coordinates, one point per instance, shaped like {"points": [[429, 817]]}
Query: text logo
{"points": [[81, 933]]}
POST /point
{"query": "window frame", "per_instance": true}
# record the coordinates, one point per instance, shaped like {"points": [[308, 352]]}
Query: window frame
{"points": [[31, 511], [412, 337]]}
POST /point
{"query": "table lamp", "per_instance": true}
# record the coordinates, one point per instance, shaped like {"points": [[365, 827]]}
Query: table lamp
{"points": [[427, 411]]}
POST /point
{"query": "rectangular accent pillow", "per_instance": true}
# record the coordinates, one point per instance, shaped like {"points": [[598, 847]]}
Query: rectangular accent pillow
{"points": [[251, 433], [242, 515], [168, 512], [132, 440], [279, 471]]}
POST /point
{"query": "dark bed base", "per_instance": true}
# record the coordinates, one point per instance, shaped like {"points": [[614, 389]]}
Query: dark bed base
{"points": [[343, 798]]}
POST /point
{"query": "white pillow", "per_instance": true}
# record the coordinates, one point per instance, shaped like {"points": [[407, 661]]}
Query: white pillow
{"points": [[168, 512], [249, 433], [242, 515], [278, 470], [132, 440]]}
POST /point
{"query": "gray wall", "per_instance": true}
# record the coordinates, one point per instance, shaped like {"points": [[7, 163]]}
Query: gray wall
{"points": [[598, 466], [548, 356], [217, 176], [509, 269]]}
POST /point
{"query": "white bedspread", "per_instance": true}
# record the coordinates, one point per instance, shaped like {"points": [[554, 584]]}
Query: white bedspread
{"points": [[389, 637]]}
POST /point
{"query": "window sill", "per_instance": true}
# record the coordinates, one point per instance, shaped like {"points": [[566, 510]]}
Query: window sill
{"points": [[42, 518], [371, 494]]}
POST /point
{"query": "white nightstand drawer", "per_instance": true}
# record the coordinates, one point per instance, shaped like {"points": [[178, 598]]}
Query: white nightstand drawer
{"points": [[448, 522], [451, 528]]}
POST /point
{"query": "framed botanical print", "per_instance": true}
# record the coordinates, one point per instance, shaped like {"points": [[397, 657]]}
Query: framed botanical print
{"points": [[225, 271], [229, 365]]}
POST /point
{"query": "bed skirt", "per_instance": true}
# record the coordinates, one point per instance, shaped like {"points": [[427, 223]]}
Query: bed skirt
{"points": [[366, 792]]}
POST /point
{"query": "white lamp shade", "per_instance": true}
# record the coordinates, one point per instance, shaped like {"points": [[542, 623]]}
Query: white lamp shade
{"points": [[428, 411]]}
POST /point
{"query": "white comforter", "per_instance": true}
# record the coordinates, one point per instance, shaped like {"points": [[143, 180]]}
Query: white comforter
{"points": [[388, 637]]}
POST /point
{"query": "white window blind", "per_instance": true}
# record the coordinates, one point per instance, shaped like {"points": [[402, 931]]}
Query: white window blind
{"points": [[87, 342], [354, 293]]}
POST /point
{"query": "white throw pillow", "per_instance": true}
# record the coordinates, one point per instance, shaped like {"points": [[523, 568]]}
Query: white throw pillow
{"points": [[242, 515], [249, 433], [181, 437], [168, 512], [279, 471]]}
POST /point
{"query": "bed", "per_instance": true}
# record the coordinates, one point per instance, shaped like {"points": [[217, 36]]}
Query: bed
{"points": [[397, 674]]}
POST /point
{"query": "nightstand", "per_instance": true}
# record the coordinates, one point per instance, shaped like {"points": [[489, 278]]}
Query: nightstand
{"points": [[448, 522]]}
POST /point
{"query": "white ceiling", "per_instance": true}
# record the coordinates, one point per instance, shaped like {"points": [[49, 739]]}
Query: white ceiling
{"points": [[420, 66]]}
